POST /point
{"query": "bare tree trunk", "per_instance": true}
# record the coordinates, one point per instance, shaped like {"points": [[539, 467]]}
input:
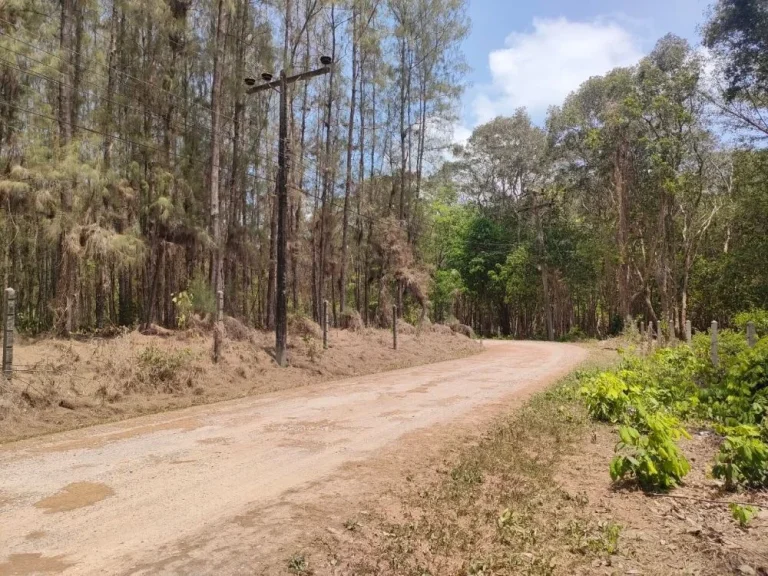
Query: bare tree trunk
{"points": [[328, 172], [216, 97], [622, 234], [348, 182], [65, 286]]}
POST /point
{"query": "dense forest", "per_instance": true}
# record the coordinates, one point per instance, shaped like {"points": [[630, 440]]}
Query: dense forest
{"points": [[136, 173]]}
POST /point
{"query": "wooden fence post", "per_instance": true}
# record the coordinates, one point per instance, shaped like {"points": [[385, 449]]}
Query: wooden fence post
{"points": [[394, 326], [218, 328], [751, 334], [325, 324], [8, 327], [688, 331], [713, 347]]}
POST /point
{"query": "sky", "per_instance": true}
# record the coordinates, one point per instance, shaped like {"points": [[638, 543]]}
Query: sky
{"points": [[533, 53]]}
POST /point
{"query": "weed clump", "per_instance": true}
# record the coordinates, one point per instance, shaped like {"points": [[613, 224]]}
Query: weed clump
{"points": [[156, 370]]}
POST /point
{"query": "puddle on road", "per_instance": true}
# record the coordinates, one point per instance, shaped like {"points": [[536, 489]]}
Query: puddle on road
{"points": [[74, 496], [26, 564]]}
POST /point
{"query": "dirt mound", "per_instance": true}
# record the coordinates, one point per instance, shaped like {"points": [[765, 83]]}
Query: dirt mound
{"points": [[199, 325], [404, 328], [237, 331], [463, 329], [441, 329], [303, 326], [155, 330], [351, 320]]}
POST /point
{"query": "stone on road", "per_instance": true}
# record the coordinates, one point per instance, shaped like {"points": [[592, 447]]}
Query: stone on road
{"points": [[129, 497]]}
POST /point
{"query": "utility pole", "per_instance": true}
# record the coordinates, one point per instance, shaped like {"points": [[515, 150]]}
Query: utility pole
{"points": [[281, 84]]}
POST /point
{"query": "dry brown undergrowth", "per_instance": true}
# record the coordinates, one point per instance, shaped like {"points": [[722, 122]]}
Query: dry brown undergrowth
{"points": [[64, 384]]}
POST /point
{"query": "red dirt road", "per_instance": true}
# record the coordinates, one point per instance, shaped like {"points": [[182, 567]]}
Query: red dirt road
{"points": [[171, 493]]}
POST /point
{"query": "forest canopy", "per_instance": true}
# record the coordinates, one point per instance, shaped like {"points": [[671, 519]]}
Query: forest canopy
{"points": [[134, 167]]}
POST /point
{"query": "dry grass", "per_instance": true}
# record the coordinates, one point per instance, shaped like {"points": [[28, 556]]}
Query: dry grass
{"points": [[61, 384]]}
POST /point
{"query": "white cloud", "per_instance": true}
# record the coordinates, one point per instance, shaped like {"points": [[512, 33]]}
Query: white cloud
{"points": [[460, 134], [540, 68]]}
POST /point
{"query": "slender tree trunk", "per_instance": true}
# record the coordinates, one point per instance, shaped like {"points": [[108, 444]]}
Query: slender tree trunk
{"points": [[216, 97], [348, 182], [328, 171]]}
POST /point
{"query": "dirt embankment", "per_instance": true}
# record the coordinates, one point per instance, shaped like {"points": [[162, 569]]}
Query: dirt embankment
{"points": [[64, 384]]}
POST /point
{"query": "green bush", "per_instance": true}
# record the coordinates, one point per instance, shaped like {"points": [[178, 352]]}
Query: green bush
{"points": [[743, 459], [184, 308], [607, 397], [738, 392], [203, 298], [648, 396], [758, 316], [648, 452]]}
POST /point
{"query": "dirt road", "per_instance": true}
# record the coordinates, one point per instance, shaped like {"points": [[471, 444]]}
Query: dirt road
{"points": [[182, 492]]}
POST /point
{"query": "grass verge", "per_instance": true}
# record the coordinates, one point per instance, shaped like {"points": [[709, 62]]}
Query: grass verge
{"points": [[497, 507]]}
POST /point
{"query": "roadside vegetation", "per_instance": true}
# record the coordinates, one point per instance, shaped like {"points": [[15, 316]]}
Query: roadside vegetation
{"points": [[636, 464], [650, 398], [63, 384]]}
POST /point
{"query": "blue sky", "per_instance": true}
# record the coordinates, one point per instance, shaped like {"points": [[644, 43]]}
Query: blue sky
{"points": [[533, 53]]}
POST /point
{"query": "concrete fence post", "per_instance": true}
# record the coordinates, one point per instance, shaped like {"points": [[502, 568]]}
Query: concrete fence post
{"points": [[218, 328], [394, 327], [688, 331], [9, 323], [659, 336], [220, 306], [325, 324], [751, 334], [713, 346]]}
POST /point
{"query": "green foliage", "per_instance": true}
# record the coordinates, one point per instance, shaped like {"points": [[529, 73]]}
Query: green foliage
{"points": [[184, 308], [743, 514], [649, 452], [758, 316], [648, 396], [737, 391], [203, 298], [743, 458], [446, 286], [607, 397]]}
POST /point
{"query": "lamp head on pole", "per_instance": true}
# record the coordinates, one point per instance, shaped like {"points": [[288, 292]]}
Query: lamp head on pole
{"points": [[250, 81], [326, 60], [266, 76]]}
